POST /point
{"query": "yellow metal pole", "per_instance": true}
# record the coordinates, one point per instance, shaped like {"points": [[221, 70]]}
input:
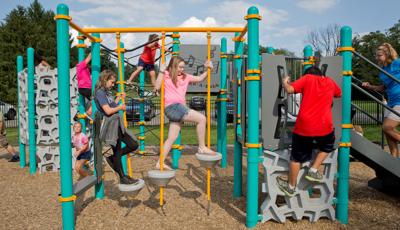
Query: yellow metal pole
{"points": [[79, 29], [162, 118], [164, 29], [120, 81], [208, 90], [244, 31], [208, 184]]}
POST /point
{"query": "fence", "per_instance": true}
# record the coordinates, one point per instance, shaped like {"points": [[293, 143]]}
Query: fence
{"points": [[10, 112]]}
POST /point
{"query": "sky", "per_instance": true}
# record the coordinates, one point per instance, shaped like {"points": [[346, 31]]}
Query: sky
{"points": [[284, 24]]}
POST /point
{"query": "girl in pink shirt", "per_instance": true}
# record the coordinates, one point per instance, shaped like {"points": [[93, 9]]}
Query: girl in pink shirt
{"points": [[176, 82], [82, 151], [85, 81]]}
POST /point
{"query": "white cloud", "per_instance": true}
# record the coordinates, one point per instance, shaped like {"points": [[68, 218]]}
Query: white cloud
{"points": [[317, 6]]}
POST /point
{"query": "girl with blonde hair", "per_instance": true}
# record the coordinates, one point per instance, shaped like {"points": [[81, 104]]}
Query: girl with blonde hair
{"points": [[387, 58], [176, 82]]}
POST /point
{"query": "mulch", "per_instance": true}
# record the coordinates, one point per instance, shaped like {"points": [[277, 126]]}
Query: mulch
{"points": [[30, 201]]}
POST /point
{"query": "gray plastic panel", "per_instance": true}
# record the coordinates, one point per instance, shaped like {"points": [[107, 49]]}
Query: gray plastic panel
{"points": [[84, 184], [333, 66], [375, 153], [271, 99]]}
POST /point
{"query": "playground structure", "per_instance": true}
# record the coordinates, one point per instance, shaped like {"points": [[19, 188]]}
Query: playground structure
{"points": [[271, 152]]}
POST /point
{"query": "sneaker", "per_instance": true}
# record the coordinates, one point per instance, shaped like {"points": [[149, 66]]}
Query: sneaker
{"points": [[284, 187], [314, 176], [14, 158], [127, 180]]}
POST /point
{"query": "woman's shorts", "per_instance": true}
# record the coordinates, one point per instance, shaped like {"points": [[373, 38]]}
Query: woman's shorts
{"points": [[85, 156], [176, 112], [390, 115], [146, 66], [302, 146], [86, 92]]}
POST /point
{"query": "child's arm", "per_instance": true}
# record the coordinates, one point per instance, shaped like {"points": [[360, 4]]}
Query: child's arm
{"points": [[201, 77], [88, 58], [286, 85], [379, 88], [160, 77]]}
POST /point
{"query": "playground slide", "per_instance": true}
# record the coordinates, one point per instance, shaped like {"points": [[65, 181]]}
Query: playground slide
{"points": [[385, 165]]}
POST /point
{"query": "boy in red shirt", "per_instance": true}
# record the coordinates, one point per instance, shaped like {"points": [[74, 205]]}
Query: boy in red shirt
{"points": [[314, 125], [146, 60]]}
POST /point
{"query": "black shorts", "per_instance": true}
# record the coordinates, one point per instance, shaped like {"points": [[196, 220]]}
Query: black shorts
{"points": [[302, 146], [146, 66], [86, 92]]}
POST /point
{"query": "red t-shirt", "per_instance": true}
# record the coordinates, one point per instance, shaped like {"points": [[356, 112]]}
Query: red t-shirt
{"points": [[149, 54], [315, 115]]}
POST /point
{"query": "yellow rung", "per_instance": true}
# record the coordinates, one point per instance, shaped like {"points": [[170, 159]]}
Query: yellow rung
{"points": [[176, 42], [62, 16], [238, 121], [347, 73], [122, 50], [179, 147], [221, 99], [342, 49], [223, 56], [80, 37], [66, 199], [237, 56], [80, 46], [250, 16], [81, 116], [239, 82], [252, 78], [222, 91], [250, 71], [238, 39], [345, 144], [141, 137], [120, 82], [142, 152], [347, 126], [141, 123], [175, 35], [252, 145], [308, 63], [175, 53]]}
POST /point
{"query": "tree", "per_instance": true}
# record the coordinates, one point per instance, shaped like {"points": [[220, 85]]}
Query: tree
{"points": [[326, 39]]}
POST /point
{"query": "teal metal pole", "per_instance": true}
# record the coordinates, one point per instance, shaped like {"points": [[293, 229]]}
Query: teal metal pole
{"points": [[121, 88], [31, 111], [141, 113], [64, 121], [308, 61], [270, 50], [81, 99], [96, 68], [22, 153], [223, 98], [176, 150], [344, 164], [253, 88], [237, 152]]}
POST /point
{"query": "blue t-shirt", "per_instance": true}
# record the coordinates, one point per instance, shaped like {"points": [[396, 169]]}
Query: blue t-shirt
{"points": [[392, 88], [103, 97]]}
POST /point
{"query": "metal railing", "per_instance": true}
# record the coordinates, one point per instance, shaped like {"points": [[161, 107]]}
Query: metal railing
{"points": [[10, 113]]}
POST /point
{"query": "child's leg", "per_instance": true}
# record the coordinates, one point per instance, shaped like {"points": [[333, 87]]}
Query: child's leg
{"points": [[392, 135], [393, 147], [79, 167], [201, 121], [319, 159], [293, 172], [153, 77], [134, 74], [173, 132], [11, 150]]}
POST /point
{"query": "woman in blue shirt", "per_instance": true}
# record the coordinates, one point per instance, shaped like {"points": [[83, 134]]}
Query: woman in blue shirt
{"points": [[387, 58]]}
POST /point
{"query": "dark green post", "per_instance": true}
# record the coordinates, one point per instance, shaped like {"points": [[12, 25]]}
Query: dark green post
{"points": [[96, 69], [342, 205], [253, 92], [64, 122], [176, 148], [22, 154], [238, 149], [31, 111]]}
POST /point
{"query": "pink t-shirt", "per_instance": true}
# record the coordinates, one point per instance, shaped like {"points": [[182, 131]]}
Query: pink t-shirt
{"points": [[176, 94], [83, 75], [79, 140]]}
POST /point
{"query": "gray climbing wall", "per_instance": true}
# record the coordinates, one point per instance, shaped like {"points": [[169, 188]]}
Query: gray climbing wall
{"points": [[279, 207], [23, 106]]}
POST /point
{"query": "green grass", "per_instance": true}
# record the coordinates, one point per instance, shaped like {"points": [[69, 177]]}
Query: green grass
{"points": [[12, 136], [373, 133]]}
